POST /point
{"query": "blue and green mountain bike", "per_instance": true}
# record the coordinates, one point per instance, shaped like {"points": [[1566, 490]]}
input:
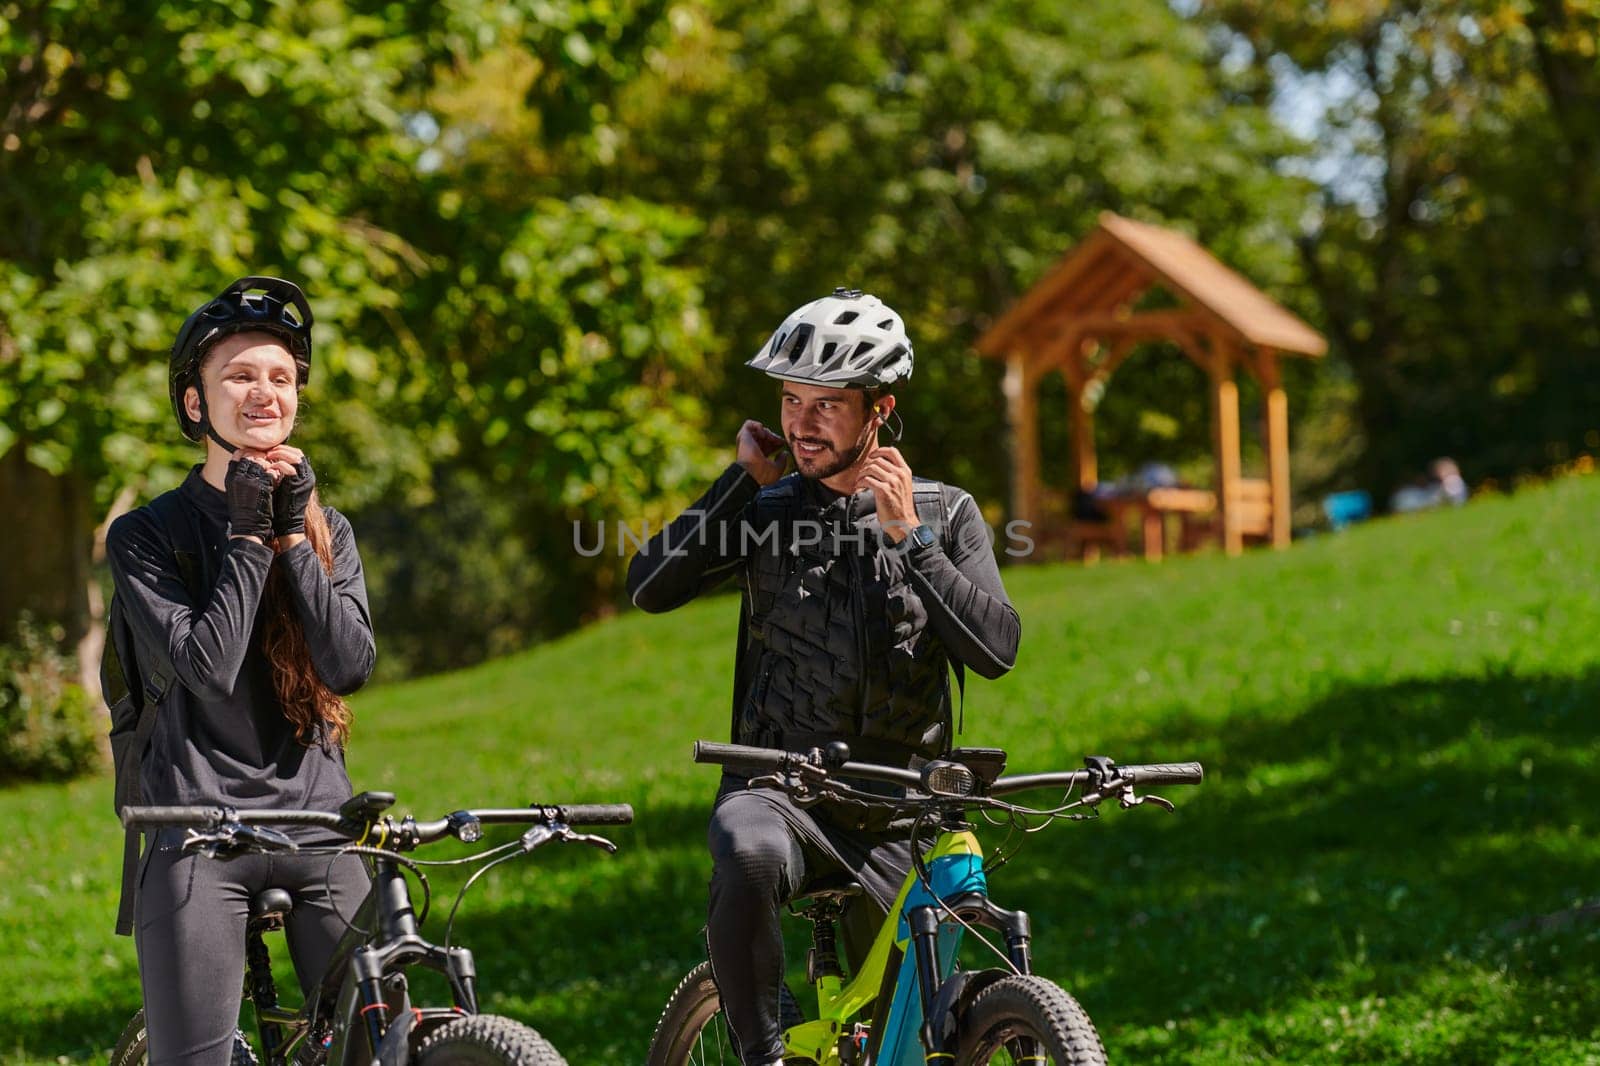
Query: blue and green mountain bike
{"points": [[907, 1001]]}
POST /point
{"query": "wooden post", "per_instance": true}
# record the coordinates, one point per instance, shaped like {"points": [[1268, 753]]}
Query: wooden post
{"points": [[1225, 433], [1085, 467], [1277, 414], [1022, 411]]}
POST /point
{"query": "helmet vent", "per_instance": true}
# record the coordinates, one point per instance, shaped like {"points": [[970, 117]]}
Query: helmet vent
{"points": [[887, 323], [800, 341], [861, 349], [827, 350], [846, 317]]}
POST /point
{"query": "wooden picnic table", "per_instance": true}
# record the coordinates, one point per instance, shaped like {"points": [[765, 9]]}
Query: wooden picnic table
{"points": [[1151, 508]]}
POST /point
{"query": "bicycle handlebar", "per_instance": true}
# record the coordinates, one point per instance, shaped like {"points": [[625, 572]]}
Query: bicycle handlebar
{"points": [[709, 751], [773, 759], [574, 814]]}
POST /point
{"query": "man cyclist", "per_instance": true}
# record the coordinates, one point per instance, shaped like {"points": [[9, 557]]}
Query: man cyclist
{"points": [[863, 587]]}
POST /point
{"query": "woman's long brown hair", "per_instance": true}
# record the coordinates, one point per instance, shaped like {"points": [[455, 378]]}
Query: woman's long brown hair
{"points": [[307, 702]]}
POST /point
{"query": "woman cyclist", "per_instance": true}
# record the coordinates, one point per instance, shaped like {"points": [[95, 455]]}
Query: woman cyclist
{"points": [[248, 594]]}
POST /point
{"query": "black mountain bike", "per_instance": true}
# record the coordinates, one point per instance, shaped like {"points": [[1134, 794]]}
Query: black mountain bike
{"points": [[923, 1008], [361, 1010]]}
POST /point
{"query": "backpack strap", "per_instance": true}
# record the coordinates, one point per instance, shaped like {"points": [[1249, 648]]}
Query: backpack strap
{"points": [[923, 492], [959, 666], [151, 684]]}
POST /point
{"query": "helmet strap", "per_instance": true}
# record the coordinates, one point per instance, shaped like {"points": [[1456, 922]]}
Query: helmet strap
{"points": [[205, 419]]}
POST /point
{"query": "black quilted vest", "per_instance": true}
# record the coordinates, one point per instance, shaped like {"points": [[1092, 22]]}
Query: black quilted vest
{"points": [[835, 641]]}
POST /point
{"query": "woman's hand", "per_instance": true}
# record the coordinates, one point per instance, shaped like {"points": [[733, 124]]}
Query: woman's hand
{"points": [[249, 488], [292, 495]]}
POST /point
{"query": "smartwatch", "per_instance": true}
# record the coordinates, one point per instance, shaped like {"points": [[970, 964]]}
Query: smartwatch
{"points": [[920, 539]]}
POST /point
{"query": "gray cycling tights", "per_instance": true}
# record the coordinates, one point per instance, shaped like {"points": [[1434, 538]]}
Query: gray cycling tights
{"points": [[764, 851], [189, 929]]}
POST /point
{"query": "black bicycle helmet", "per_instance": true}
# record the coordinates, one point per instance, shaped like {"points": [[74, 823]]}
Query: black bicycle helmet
{"points": [[253, 304], [848, 339]]}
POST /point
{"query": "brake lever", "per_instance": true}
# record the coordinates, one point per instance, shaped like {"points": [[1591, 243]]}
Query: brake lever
{"points": [[592, 839], [801, 781], [542, 834], [234, 838], [1128, 799]]}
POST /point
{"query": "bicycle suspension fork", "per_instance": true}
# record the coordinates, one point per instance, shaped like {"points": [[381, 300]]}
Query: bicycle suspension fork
{"points": [[396, 940], [974, 908]]}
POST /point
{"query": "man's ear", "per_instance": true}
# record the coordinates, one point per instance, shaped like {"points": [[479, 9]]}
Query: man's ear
{"points": [[883, 405], [191, 403]]}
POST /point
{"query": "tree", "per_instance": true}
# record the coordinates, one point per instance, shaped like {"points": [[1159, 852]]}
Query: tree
{"points": [[1451, 239], [943, 156], [151, 153]]}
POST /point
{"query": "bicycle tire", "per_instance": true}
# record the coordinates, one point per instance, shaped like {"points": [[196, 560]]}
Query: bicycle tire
{"points": [[1026, 1018], [133, 1046], [692, 1030], [487, 1040]]}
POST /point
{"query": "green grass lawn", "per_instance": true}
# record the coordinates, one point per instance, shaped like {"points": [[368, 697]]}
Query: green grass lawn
{"points": [[1389, 862]]}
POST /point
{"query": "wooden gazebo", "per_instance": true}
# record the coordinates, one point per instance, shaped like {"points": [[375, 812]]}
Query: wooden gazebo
{"points": [[1079, 319]]}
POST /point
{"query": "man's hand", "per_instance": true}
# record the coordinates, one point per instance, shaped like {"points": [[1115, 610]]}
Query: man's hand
{"points": [[888, 475], [762, 452]]}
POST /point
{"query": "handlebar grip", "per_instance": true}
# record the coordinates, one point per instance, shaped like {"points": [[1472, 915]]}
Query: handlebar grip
{"points": [[149, 817], [1175, 773], [709, 751], [596, 813]]}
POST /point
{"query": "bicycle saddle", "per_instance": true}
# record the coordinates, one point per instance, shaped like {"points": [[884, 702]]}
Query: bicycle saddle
{"points": [[830, 888], [271, 903]]}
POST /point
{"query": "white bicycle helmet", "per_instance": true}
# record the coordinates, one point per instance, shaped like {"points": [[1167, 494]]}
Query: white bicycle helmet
{"points": [[847, 339]]}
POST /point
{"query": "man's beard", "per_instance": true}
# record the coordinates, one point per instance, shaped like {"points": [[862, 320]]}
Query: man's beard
{"points": [[842, 460]]}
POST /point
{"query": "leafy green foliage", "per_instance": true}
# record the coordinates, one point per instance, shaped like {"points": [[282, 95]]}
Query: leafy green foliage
{"points": [[451, 583], [48, 725], [942, 156], [539, 236], [1391, 859], [1454, 244], [154, 154]]}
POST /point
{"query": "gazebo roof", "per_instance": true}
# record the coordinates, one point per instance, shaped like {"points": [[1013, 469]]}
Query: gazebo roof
{"points": [[1095, 283]]}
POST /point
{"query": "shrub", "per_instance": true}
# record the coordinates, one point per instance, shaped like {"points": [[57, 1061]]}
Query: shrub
{"points": [[49, 725]]}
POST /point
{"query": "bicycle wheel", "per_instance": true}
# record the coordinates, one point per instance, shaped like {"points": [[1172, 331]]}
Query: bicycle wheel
{"points": [[133, 1047], [487, 1040], [693, 1031], [1026, 1019]]}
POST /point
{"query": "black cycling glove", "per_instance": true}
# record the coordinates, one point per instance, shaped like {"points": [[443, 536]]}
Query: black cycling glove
{"points": [[249, 489], [290, 499]]}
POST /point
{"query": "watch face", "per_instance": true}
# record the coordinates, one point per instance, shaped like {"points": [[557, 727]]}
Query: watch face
{"points": [[922, 536]]}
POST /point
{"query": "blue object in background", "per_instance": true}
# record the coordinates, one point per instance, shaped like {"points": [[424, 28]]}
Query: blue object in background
{"points": [[1347, 508]]}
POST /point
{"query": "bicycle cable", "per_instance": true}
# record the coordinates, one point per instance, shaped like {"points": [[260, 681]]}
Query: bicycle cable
{"points": [[450, 922], [334, 853], [1016, 820], [921, 868], [477, 856]]}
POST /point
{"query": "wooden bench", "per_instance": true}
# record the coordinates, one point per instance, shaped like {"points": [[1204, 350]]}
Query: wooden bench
{"points": [[1251, 505]]}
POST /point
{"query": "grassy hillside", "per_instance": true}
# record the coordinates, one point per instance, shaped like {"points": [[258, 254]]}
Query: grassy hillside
{"points": [[1390, 859]]}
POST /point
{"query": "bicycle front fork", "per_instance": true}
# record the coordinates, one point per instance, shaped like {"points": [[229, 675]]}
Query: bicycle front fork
{"points": [[974, 908], [369, 965]]}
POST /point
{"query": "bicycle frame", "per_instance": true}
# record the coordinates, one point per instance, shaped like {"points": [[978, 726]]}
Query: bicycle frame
{"points": [[362, 1007], [900, 1034]]}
